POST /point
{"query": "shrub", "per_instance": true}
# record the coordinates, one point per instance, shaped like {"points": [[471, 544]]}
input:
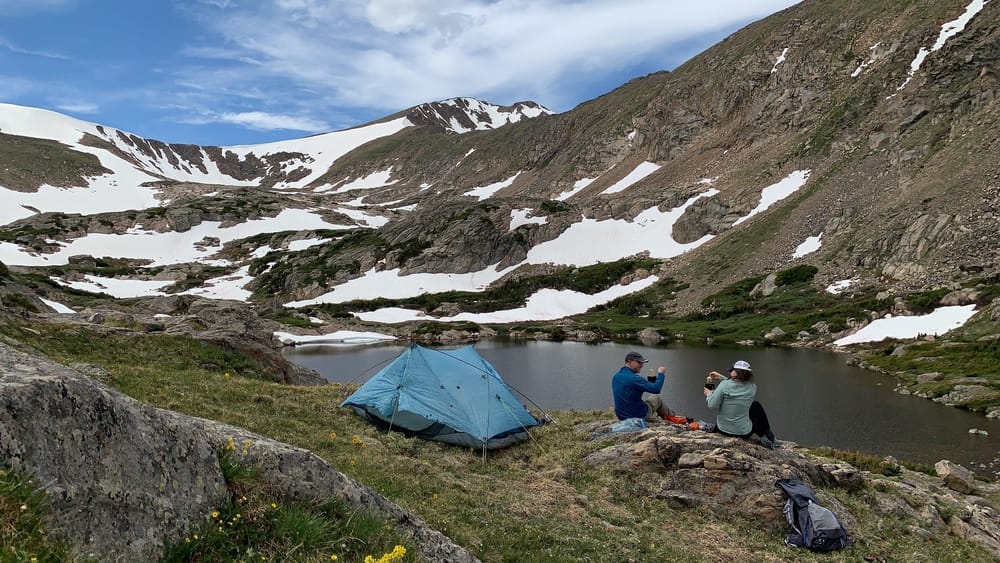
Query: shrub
{"points": [[19, 301], [926, 301], [797, 274]]}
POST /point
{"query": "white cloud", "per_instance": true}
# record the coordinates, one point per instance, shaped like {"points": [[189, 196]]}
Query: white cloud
{"points": [[33, 52], [392, 54], [78, 107], [265, 121], [243, 69]]}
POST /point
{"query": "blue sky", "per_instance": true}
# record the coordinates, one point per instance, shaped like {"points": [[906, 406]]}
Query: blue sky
{"points": [[226, 72]]}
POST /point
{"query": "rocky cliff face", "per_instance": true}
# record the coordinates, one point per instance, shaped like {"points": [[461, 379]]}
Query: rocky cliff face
{"points": [[122, 478]]}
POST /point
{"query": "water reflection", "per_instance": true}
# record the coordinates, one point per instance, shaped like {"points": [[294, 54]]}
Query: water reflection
{"points": [[812, 397]]}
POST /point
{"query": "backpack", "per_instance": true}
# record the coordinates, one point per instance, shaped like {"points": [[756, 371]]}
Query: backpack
{"points": [[815, 527]]}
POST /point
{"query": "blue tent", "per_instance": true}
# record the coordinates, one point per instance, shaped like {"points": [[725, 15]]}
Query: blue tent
{"points": [[454, 396]]}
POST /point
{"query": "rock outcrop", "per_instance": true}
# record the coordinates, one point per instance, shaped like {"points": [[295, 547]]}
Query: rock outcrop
{"points": [[731, 476], [123, 477]]}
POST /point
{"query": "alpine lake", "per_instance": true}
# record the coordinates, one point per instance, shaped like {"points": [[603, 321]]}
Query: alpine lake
{"points": [[812, 397]]}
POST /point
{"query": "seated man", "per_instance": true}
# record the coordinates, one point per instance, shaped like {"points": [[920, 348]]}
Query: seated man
{"points": [[628, 386]]}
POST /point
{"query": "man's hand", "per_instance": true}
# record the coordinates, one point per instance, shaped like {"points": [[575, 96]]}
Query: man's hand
{"points": [[662, 370]]}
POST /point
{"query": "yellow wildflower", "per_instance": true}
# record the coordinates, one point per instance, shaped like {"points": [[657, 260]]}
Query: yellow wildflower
{"points": [[215, 514], [333, 558], [333, 435]]}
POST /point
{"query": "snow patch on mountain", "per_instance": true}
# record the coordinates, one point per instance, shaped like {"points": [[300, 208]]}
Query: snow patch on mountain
{"points": [[777, 192], [520, 217], [638, 173], [166, 248], [590, 241], [484, 192]]}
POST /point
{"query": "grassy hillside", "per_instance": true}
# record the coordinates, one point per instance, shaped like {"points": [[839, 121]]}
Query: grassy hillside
{"points": [[537, 501]]}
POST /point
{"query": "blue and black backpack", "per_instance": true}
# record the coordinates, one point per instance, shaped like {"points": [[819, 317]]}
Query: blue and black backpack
{"points": [[815, 527]]}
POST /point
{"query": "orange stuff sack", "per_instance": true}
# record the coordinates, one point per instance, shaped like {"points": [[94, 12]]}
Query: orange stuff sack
{"points": [[675, 419]]}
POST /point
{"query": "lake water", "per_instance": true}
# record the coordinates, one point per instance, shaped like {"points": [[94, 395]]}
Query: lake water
{"points": [[812, 397]]}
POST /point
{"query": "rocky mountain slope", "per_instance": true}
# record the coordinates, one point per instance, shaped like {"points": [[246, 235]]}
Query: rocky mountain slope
{"points": [[887, 112]]}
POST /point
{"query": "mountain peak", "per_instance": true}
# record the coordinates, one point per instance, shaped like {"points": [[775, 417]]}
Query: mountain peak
{"points": [[461, 115]]}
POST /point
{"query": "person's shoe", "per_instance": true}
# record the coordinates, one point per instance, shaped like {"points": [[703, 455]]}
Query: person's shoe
{"points": [[768, 442]]}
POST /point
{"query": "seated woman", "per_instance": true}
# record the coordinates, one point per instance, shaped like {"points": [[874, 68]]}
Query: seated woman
{"points": [[739, 414]]}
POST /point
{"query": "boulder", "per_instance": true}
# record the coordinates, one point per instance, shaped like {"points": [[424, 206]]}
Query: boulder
{"points": [[964, 296], [774, 334], [930, 377], [722, 474], [956, 477], [766, 287], [650, 336], [729, 476]]}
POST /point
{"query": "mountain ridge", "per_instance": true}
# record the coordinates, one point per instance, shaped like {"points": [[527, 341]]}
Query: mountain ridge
{"points": [[889, 149]]}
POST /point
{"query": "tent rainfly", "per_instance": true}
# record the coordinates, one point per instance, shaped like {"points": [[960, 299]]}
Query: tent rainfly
{"points": [[453, 396]]}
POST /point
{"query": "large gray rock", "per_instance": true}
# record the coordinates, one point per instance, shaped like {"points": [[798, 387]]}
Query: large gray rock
{"points": [[955, 476], [123, 477], [730, 476], [722, 474]]}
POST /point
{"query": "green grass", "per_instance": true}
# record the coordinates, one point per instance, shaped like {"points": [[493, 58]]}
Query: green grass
{"points": [[254, 524], [871, 463], [23, 533], [537, 501]]}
